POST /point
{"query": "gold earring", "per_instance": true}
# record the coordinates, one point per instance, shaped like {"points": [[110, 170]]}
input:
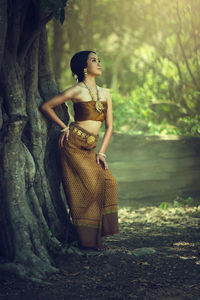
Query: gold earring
{"points": [[85, 72], [75, 76]]}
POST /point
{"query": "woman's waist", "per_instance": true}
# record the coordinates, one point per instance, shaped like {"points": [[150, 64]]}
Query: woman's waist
{"points": [[92, 127], [80, 135]]}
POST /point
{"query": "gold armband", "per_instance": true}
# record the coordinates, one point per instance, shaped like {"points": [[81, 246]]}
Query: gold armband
{"points": [[64, 129]]}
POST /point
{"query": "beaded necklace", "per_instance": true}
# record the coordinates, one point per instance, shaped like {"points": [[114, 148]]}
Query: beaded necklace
{"points": [[98, 104]]}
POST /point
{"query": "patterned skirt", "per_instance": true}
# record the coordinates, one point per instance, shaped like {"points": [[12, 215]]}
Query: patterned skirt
{"points": [[91, 191]]}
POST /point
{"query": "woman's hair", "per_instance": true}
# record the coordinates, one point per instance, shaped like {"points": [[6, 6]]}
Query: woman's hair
{"points": [[79, 62]]}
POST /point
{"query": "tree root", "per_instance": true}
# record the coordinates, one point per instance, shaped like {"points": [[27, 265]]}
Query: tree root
{"points": [[33, 269]]}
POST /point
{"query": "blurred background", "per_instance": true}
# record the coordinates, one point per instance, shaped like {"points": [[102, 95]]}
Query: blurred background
{"points": [[150, 56]]}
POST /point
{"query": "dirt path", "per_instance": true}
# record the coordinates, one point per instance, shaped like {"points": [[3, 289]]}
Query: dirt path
{"points": [[166, 266]]}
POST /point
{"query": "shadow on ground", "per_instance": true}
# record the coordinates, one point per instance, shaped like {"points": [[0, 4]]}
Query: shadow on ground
{"points": [[156, 255]]}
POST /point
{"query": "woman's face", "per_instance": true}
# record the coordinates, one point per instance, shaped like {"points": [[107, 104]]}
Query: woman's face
{"points": [[93, 64]]}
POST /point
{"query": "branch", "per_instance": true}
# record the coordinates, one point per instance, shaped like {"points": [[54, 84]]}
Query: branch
{"points": [[195, 40], [158, 102], [183, 50]]}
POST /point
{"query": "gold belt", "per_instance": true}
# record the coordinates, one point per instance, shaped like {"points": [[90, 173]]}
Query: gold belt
{"points": [[89, 138]]}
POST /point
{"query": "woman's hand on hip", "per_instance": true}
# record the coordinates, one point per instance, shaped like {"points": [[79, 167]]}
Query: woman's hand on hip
{"points": [[101, 159], [63, 136]]}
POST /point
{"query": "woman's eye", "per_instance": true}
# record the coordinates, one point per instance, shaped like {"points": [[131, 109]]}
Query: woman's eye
{"points": [[96, 60]]}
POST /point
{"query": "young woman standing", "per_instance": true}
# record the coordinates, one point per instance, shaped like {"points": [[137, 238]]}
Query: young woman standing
{"points": [[91, 189]]}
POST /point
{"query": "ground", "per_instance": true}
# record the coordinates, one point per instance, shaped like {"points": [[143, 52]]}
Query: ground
{"points": [[156, 255]]}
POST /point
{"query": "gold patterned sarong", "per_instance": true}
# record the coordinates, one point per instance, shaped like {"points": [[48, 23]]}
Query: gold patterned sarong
{"points": [[91, 191]]}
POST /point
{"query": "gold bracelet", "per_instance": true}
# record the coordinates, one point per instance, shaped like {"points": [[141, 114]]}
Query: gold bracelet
{"points": [[102, 154], [65, 129]]}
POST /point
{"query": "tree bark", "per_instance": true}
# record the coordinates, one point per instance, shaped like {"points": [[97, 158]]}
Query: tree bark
{"points": [[88, 12], [73, 28], [3, 27], [58, 49], [34, 222]]}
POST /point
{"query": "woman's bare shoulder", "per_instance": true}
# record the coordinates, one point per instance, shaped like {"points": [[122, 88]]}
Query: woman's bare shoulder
{"points": [[73, 91], [104, 92], [73, 88]]}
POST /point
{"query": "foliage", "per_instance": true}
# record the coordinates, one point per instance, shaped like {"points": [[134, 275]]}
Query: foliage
{"points": [[164, 205], [181, 202], [135, 115], [55, 6], [151, 62], [189, 201], [190, 124]]}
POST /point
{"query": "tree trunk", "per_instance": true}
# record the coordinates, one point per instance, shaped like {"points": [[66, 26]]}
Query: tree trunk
{"points": [[115, 72], [88, 12], [33, 218], [74, 29], [58, 49]]}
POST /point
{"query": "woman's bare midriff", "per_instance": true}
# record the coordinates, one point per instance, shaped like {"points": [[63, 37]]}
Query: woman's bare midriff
{"points": [[90, 125]]}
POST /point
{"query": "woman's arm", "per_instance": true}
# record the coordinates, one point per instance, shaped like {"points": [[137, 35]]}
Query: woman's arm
{"points": [[47, 107], [108, 124], [108, 132]]}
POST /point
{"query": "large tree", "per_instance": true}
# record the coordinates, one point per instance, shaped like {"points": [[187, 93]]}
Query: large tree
{"points": [[33, 218]]}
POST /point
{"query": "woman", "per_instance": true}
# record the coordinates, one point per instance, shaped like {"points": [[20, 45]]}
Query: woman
{"points": [[91, 189]]}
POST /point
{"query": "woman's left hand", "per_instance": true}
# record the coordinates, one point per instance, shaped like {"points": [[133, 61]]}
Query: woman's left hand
{"points": [[103, 160]]}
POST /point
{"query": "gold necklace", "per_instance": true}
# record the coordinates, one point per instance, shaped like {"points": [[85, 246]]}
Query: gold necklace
{"points": [[98, 104]]}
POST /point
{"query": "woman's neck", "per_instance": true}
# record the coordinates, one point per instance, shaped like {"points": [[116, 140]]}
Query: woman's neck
{"points": [[90, 81]]}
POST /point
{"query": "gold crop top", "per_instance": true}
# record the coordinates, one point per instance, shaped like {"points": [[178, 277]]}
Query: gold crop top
{"points": [[84, 111]]}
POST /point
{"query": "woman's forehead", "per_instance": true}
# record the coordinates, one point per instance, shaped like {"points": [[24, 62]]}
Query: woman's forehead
{"points": [[92, 55]]}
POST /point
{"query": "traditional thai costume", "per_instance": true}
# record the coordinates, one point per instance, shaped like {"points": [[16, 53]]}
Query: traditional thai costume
{"points": [[91, 191]]}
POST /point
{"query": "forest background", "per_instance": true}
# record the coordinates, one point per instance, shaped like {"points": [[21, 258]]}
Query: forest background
{"points": [[150, 56]]}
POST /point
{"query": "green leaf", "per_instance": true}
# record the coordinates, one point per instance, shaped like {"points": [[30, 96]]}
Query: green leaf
{"points": [[164, 205], [56, 7]]}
